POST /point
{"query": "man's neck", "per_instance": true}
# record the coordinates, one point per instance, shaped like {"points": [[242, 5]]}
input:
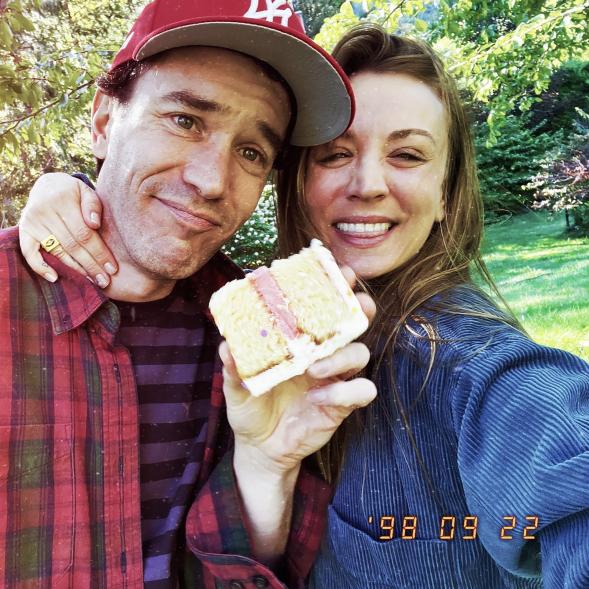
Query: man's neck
{"points": [[132, 283]]}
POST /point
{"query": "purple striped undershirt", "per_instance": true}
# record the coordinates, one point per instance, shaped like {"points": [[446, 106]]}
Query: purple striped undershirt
{"points": [[172, 354]]}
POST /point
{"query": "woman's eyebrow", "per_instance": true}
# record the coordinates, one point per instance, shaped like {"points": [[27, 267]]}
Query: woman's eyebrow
{"points": [[402, 133]]}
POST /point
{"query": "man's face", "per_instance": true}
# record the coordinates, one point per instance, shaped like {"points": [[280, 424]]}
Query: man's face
{"points": [[185, 160]]}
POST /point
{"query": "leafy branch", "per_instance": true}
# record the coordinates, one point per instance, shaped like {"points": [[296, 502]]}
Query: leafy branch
{"points": [[16, 122]]}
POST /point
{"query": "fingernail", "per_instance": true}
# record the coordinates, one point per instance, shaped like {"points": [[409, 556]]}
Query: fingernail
{"points": [[110, 268], [317, 371], [101, 281], [317, 396], [94, 218], [50, 277]]}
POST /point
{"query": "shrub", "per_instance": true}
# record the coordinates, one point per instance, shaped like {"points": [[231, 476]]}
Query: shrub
{"points": [[507, 167], [563, 184], [254, 244]]}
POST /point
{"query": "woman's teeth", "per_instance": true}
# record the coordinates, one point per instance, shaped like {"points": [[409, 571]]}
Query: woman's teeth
{"points": [[363, 227]]}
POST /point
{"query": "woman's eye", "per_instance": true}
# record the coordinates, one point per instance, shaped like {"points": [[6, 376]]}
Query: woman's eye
{"points": [[407, 156], [185, 122]]}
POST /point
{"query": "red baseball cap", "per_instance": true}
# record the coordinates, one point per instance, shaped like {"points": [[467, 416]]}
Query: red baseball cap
{"points": [[269, 30]]}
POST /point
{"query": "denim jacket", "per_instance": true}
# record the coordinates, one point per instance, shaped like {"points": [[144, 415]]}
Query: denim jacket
{"points": [[489, 486]]}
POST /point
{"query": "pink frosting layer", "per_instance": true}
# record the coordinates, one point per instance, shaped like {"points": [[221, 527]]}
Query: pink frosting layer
{"points": [[272, 296]]}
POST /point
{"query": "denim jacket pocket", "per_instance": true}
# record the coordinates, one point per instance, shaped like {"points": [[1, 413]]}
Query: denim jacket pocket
{"points": [[351, 558]]}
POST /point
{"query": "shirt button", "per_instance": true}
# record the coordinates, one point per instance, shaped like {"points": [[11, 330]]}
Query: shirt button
{"points": [[260, 582], [235, 585]]}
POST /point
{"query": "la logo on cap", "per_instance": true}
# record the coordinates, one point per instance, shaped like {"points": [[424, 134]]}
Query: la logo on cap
{"points": [[274, 9]]}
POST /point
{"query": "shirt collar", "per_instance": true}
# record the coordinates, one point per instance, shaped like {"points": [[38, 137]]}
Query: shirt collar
{"points": [[73, 299]]}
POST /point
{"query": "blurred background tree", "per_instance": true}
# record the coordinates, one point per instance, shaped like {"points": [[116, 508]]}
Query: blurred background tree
{"points": [[563, 183], [50, 53]]}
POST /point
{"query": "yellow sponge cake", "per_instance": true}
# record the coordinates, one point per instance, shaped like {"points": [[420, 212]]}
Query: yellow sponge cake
{"points": [[279, 320]]}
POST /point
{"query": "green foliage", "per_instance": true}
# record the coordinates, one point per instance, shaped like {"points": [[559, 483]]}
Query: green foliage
{"points": [[254, 244], [563, 184], [394, 16], [315, 12], [508, 49], [507, 167], [50, 54], [568, 91]]}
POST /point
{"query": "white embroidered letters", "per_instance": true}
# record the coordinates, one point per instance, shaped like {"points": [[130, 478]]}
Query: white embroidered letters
{"points": [[274, 9]]}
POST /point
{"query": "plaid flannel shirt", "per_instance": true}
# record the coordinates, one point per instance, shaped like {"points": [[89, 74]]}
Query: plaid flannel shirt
{"points": [[69, 466]]}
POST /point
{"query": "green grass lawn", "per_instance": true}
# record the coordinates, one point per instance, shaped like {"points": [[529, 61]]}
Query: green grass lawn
{"points": [[543, 274]]}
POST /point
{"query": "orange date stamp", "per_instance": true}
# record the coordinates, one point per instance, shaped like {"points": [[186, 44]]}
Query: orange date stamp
{"points": [[452, 527]]}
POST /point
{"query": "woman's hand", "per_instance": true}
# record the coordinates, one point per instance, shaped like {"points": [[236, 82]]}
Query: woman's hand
{"points": [[299, 416], [65, 207]]}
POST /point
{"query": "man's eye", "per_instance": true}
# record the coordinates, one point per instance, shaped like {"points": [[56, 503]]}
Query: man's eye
{"points": [[334, 157], [251, 154], [185, 122]]}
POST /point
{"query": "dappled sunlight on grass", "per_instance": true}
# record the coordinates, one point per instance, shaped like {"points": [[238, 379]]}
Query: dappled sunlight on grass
{"points": [[543, 274]]}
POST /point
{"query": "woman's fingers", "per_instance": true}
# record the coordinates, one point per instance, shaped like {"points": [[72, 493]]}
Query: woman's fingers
{"points": [[30, 244], [366, 302], [350, 394], [91, 207], [30, 249], [368, 305], [349, 275], [85, 246], [32, 233], [73, 249], [228, 361], [343, 363], [57, 206]]}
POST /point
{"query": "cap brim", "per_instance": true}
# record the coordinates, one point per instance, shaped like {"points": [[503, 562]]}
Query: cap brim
{"points": [[324, 97]]}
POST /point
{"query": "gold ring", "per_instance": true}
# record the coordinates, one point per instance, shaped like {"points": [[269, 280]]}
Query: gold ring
{"points": [[50, 243]]}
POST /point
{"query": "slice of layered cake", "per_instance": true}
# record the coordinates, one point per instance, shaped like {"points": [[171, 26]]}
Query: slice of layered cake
{"points": [[279, 320]]}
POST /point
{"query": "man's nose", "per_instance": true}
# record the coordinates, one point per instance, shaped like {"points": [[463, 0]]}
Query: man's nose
{"points": [[207, 169], [369, 179]]}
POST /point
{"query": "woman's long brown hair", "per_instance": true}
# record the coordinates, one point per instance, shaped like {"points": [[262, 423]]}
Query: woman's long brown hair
{"points": [[452, 249]]}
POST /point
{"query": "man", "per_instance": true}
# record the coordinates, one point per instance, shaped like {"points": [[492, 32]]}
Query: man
{"points": [[116, 464]]}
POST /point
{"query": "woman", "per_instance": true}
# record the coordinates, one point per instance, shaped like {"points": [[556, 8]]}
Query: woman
{"points": [[471, 469], [477, 433]]}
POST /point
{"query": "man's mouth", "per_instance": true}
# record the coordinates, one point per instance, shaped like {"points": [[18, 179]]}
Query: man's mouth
{"points": [[196, 220]]}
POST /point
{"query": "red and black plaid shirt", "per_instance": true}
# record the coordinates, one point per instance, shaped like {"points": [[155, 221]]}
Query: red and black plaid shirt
{"points": [[69, 466]]}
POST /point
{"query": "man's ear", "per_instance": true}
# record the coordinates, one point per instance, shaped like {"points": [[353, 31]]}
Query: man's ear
{"points": [[102, 108]]}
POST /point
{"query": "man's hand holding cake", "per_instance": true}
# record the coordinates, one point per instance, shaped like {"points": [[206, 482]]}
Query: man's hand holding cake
{"points": [[310, 318]]}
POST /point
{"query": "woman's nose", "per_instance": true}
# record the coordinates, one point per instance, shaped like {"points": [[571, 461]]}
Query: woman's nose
{"points": [[369, 181]]}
